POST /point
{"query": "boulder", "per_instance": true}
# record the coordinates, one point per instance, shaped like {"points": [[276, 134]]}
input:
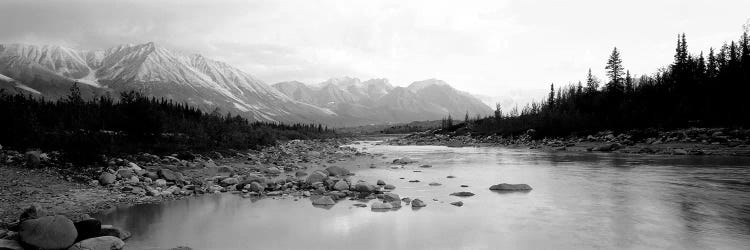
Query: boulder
{"points": [[160, 183], [88, 228], [381, 183], [317, 176], [381, 206], [463, 194], [273, 171], [109, 230], [337, 171], [10, 245], [510, 187], [49, 232], [404, 161], [323, 201], [389, 186], [134, 166], [457, 203], [167, 174], [300, 173], [425, 166], [32, 212], [389, 197], [99, 243], [124, 173], [229, 181], [341, 185], [33, 158], [106, 178], [364, 187], [434, 184], [395, 204], [679, 151], [255, 187], [418, 203], [225, 169]]}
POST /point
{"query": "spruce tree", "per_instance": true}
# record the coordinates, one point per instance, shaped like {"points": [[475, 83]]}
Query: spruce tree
{"points": [[592, 84], [614, 70]]}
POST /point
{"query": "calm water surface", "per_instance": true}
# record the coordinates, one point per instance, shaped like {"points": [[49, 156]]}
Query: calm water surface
{"points": [[579, 201]]}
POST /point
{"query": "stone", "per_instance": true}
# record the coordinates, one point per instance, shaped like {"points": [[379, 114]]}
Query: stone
{"points": [[406, 200], [510, 187], [10, 245], [138, 191], [463, 194], [381, 206], [106, 178], [230, 181], [323, 201], [457, 203], [390, 197], [124, 173], [273, 171], [364, 187], [389, 186], [300, 173], [49, 232], [33, 158], [32, 212], [395, 204], [317, 176], [255, 187], [160, 183], [167, 174], [99, 243], [134, 166], [337, 171], [381, 183], [435, 184], [425, 166], [89, 228], [341, 186], [109, 230], [225, 169], [450, 177], [404, 161], [418, 203], [679, 151], [464, 186], [414, 181]]}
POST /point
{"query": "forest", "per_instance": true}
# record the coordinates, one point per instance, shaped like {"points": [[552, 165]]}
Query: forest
{"points": [[84, 129], [696, 90]]}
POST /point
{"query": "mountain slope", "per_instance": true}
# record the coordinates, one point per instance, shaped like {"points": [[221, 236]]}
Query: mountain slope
{"points": [[377, 101], [154, 71]]}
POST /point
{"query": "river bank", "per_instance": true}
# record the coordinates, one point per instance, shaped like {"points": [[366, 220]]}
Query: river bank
{"points": [[293, 169], [692, 141]]}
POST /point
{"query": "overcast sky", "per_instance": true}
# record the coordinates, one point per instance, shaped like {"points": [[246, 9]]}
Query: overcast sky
{"points": [[487, 47]]}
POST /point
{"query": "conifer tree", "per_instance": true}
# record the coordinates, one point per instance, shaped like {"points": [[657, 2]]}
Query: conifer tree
{"points": [[592, 84], [614, 70]]}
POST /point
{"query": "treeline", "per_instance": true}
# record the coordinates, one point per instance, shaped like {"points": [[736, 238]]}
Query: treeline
{"points": [[705, 89], [86, 129]]}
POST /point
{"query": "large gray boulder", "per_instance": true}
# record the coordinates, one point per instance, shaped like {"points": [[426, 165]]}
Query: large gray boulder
{"points": [[49, 232], [99, 243], [389, 197], [341, 185], [510, 187], [167, 174], [418, 203], [364, 187]]}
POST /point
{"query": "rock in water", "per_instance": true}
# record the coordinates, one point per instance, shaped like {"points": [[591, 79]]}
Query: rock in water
{"points": [[89, 228], [103, 243], [106, 179], [510, 187], [323, 201], [341, 186], [109, 230], [381, 183], [425, 166], [10, 245], [229, 181], [389, 186], [381, 206], [463, 194], [457, 203], [337, 171], [364, 187], [49, 232], [389, 197], [418, 203], [435, 184], [33, 158]]}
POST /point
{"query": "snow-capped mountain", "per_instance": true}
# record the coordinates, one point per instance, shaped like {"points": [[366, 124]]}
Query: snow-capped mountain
{"points": [[377, 101], [50, 71]]}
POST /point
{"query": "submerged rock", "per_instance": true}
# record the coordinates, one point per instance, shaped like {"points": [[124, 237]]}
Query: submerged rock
{"points": [[510, 187], [337, 171], [457, 203], [317, 176], [389, 186], [417, 203], [463, 194], [381, 206], [435, 184]]}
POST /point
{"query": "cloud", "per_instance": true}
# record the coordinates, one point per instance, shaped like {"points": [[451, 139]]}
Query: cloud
{"points": [[480, 46]]}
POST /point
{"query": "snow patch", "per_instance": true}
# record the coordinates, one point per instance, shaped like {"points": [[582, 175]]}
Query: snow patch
{"points": [[241, 107], [27, 88]]}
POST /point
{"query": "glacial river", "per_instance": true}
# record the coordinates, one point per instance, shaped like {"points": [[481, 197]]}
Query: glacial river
{"points": [[578, 201]]}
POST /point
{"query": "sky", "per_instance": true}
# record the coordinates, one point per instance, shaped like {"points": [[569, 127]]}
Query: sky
{"points": [[484, 47]]}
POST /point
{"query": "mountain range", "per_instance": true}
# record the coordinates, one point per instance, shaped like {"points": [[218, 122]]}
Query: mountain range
{"points": [[50, 71]]}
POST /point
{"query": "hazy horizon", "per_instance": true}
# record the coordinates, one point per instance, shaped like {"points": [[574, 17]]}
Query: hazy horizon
{"points": [[486, 47]]}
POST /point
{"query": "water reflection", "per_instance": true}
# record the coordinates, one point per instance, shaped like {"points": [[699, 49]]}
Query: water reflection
{"points": [[579, 201]]}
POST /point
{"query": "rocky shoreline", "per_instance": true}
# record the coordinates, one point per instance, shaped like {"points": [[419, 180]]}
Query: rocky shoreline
{"points": [[35, 180], [691, 141]]}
